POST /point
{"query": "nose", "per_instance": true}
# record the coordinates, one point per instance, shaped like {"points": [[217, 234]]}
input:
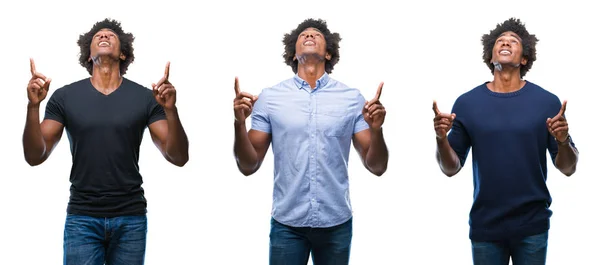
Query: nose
{"points": [[103, 36]]}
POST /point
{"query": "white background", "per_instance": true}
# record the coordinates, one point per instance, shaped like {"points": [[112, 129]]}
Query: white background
{"points": [[209, 213]]}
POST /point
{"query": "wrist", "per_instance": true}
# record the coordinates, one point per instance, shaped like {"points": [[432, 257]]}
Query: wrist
{"points": [[567, 140], [376, 130], [32, 106]]}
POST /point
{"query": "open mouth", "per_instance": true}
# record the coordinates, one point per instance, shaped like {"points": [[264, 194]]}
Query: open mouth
{"points": [[505, 52], [309, 43], [104, 44]]}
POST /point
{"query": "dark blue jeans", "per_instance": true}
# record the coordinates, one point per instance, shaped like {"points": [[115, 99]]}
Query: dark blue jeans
{"points": [[530, 250], [293, 245], [110, 241]]}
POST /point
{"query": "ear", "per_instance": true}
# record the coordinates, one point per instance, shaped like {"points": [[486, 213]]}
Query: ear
{"points": [[295, 58], [122, 57], [328, 56], [523, 61]]}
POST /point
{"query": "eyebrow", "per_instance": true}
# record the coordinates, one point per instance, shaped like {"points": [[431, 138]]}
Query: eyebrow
{"points": [[511, 35], [311, 29]]}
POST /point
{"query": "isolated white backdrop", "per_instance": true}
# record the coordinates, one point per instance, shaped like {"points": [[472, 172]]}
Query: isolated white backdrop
{"points": [[209, 213]]}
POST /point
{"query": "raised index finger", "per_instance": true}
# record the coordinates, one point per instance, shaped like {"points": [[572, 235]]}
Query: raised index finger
{"points": [[32, 66], [436, 111], [379, 91], [236, 86], [563, 108], [167, 70]]}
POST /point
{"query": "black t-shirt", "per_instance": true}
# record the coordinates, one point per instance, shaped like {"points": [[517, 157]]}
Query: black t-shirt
{"points": [[105, 133]]}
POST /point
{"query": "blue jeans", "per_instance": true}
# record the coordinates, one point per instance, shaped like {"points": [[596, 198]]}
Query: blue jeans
{"points": [[529, 250], [293, 245], [112, 241]]}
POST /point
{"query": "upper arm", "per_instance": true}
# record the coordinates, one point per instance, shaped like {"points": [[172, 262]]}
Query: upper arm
{"points": [[459, 140], [54, 121], [157, 124], [458, 137], [159, 131], [361, 141], [52, 132], [260, 141], [361, 137], [260, 132]]}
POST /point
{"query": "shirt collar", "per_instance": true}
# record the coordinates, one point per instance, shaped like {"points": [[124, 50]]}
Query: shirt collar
{"points": [[321, 82]]}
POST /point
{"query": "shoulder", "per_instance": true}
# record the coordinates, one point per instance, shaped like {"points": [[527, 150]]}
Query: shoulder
{"points": [[471, 96], [70, 88], [541, 92], [135, 87]]}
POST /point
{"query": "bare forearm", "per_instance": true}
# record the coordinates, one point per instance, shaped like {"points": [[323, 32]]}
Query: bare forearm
{"points": [[244, 152], [34, 146], [566, 159], [177, 142], [447, 158], [377, 155]]}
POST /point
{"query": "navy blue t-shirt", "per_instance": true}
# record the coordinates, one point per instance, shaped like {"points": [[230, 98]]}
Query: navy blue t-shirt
{"points": [[105, 133], [508, 136]]}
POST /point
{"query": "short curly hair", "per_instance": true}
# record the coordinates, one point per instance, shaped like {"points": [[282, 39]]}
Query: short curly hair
{"points": [[528, 42], [126, 40], [332, 41]]}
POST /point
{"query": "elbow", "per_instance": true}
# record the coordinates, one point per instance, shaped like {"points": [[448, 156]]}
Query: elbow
{"points": [[246, 169], [449, 174], [179, 161], [247, 173], [569, 172], [378, 170], [32, 161]]}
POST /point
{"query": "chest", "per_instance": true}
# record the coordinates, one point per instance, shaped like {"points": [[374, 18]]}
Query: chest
{"points": [[328, 114], [100, 113], [505, 118]]}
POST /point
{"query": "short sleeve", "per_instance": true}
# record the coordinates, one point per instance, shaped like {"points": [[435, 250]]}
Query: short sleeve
{"points": [[359, 120], [55, 108], [459, 138], [260, 114], [155, 111]]}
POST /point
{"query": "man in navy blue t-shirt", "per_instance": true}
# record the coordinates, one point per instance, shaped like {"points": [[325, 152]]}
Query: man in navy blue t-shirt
{"points": [[105, 116], [509, 123]]}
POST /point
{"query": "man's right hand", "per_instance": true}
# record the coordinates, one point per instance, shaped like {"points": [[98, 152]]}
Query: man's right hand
{"points": [[38, 86], [442, 123], [243, 103]]}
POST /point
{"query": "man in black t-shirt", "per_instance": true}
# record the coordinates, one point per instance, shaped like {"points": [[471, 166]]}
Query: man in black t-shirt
{"points": [[105, 117]]}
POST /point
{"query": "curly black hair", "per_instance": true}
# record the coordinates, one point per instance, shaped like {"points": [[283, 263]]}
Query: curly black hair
{"points": [[126, 40], [527, 40], [332, 41]]}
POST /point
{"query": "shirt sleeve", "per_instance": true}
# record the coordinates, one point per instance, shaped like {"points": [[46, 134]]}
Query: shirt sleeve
{"points": [[359, 120], [55, 109], [260, 114], [155, 111], [459, 138]]}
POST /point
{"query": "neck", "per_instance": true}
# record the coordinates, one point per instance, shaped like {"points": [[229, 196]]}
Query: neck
{"points": [[311, 69], [507, 80], [106, 75]]}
